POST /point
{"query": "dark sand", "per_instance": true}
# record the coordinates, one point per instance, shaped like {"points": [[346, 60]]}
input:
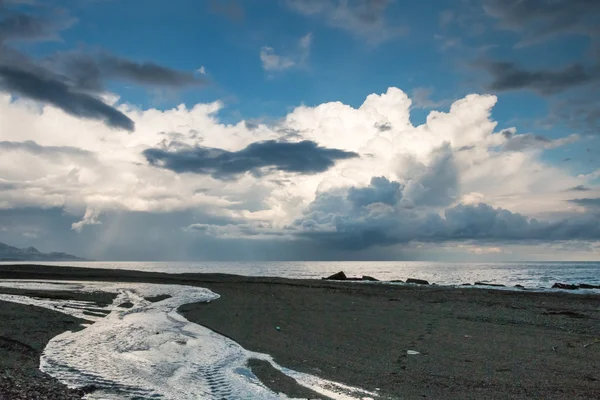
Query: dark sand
{"points": [[24, 332], [474, 343]]}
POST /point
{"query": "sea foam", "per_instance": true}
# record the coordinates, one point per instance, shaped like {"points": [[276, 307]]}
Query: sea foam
{"points": [[151, 351]]}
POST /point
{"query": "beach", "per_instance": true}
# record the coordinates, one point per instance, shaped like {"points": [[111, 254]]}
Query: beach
{"points": [[24, 332], [400, 341]]}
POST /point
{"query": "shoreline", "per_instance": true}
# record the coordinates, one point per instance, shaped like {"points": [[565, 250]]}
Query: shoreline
{"points": [[473, 342], [29, 271], [24, 333]]}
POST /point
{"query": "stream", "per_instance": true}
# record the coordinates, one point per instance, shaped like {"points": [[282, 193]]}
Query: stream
{"points": [[150, 351]]}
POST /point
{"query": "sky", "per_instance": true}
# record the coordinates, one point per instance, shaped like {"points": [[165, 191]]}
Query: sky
{"points": [[460, 130]]}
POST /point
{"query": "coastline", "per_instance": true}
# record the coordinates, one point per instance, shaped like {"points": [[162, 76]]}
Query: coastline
{"points": [[24, 332], [473, 342]]}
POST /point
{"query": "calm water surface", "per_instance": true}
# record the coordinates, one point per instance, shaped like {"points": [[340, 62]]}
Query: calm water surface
{"points": [[528, 274]]}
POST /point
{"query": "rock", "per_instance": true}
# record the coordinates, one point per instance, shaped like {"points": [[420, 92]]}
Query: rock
{"points": [[88, 389], [565, 286], [489, 284], [340, 276], [417, 281], [369, 278], [588, 286], [520, 286]]}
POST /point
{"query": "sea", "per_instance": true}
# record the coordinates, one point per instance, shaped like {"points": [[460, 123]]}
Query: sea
{"points": [[534, 275]]}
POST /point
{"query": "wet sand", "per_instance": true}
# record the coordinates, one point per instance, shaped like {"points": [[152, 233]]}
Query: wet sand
{"points": [[473, 343], [24, 332]]}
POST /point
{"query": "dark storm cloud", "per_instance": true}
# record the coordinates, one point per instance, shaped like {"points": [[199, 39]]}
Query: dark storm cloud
{"points": [[8, 185], [386, 213], [32, 147], [20, 75], [587, 202], [381, 190], [52, 91], [90, 72], [530, 141], [15, 26], [351, 229], [72, 81], [25, 27], [538, 20], [305, 157], [580, 113], [579, 188], [76, 80], [509, 76], [141, 236], [362, 17], [436, 184]]}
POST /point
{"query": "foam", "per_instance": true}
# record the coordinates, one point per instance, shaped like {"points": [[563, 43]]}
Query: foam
{"points": [[151, 351]]}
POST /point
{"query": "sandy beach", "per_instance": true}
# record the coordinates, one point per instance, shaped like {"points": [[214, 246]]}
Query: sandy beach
{"points": [[471, 343]]}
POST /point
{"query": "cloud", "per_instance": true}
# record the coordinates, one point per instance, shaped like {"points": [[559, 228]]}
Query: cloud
{"points": [[400, 187], [580, 113], [90, 218], [73, 81], [587, 202], [364, 18], [509, 76], [304, 157], [59, 94], [237, 231], [579, 188], [433, 184], [539, 20], [272, 62], [89, 72], [421, 98], [15, 26], [332, 221], [33, 148], [531, 141], [381, 190]]}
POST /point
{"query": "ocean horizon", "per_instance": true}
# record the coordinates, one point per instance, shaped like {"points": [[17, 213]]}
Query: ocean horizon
{"points": [[538, 275]]}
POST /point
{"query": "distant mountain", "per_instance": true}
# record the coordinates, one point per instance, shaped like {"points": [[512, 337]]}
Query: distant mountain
{"points": [[10, 253]]}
